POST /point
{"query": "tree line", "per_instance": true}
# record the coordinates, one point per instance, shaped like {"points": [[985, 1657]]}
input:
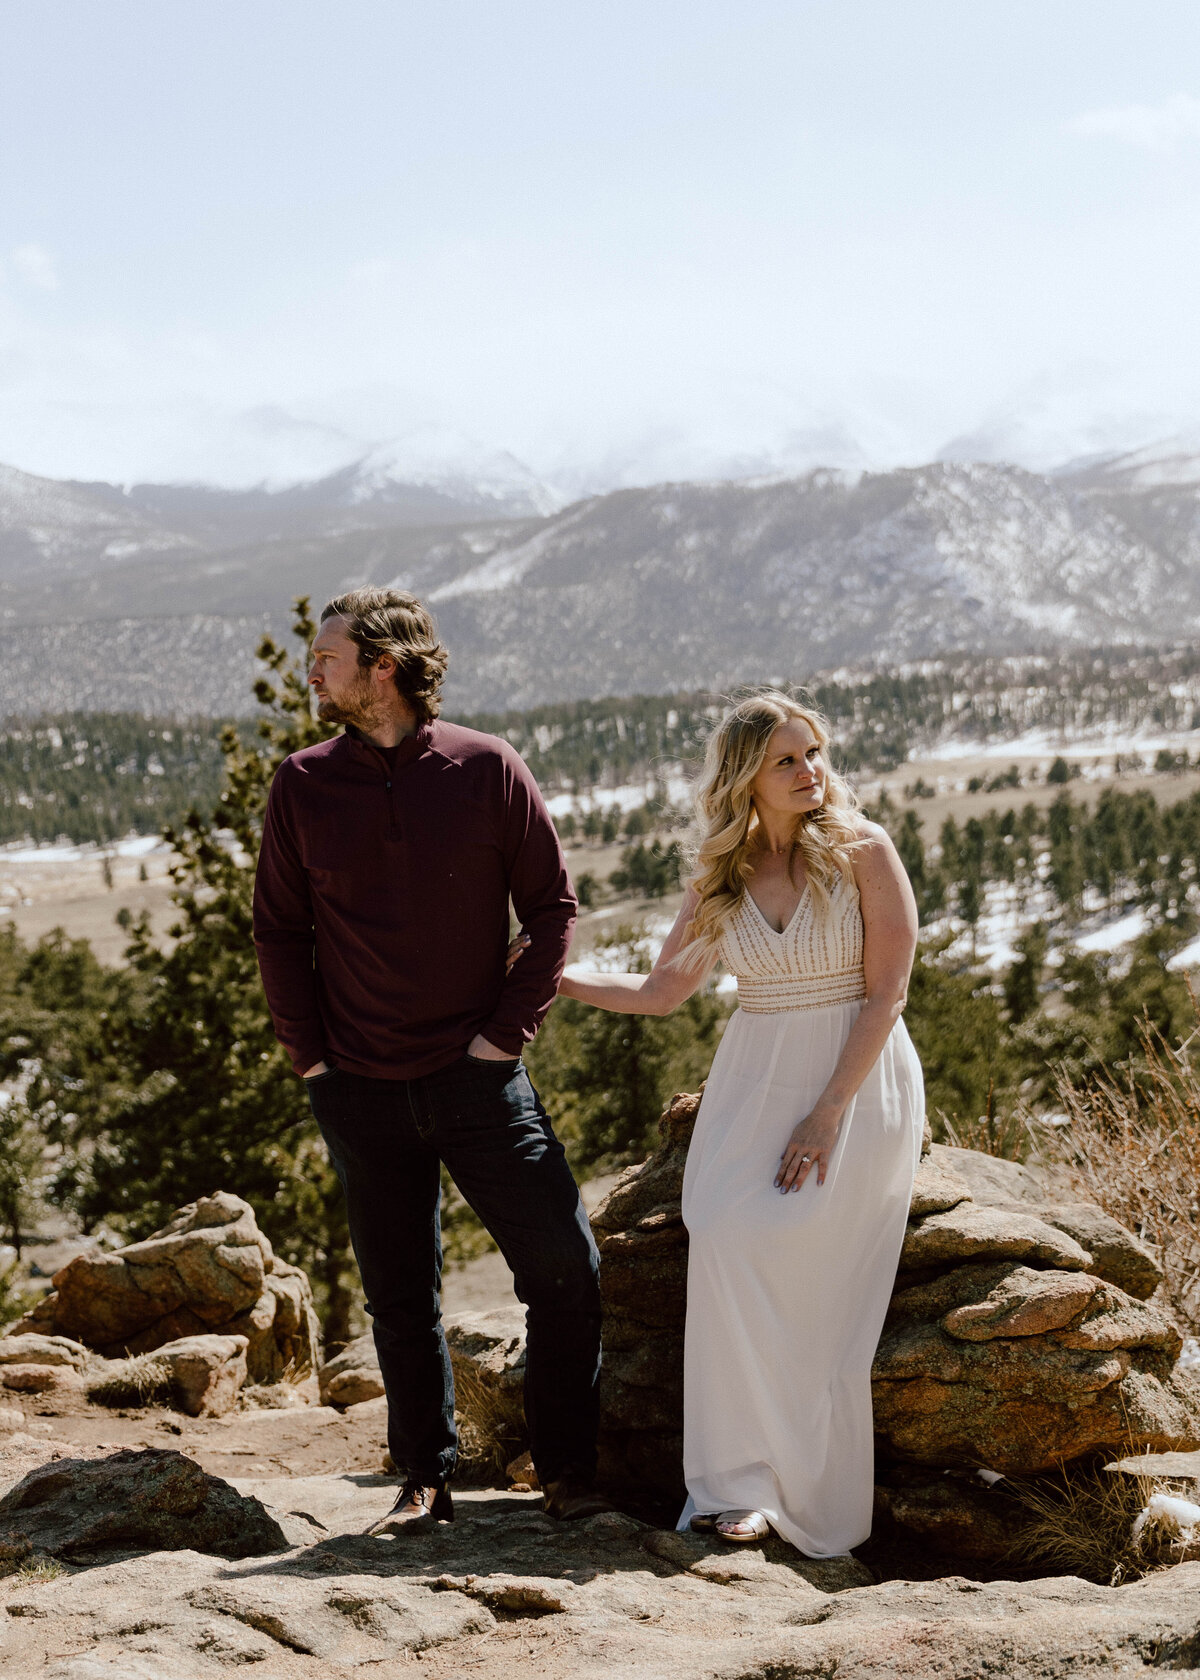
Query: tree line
{"points": [[96, 776], [1124, 851]]}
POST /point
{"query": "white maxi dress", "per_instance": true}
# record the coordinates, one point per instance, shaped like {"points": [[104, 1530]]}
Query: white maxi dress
{"points": [[787, 1294]]}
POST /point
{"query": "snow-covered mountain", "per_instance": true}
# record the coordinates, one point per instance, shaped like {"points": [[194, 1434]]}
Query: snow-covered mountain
{"points": [[671, 587], [431, 478], [1172, 463], [445, 462]]}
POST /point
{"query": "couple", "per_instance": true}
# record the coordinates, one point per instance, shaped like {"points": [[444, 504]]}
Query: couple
{"points": [[388, 858]]}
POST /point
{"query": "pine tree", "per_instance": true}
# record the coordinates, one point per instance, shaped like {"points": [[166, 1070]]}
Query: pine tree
{"points": [[1023, 983], [202, 1097]]}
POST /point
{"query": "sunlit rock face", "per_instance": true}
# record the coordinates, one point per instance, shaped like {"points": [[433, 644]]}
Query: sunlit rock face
{"points": [[208, 1270], [1018, 1337]]}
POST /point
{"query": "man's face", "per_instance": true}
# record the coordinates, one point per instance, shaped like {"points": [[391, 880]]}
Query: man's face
{"points": [[345, 690]]}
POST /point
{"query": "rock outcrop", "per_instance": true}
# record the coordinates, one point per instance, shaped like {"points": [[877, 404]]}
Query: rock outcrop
{"points": [[352, 1375], [1019, 1336], [200, 1375], [156, 1499], [208, 1270], [206, 1373]]}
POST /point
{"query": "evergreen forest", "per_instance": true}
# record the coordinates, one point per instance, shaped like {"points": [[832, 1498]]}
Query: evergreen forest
{"points": [[96, 776]]}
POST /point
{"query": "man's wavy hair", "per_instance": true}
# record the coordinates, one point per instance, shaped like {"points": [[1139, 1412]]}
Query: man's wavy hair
{"points": [[394, 622]]}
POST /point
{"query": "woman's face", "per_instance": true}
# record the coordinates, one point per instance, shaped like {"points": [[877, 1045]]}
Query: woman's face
{"points": [[791, 782]]}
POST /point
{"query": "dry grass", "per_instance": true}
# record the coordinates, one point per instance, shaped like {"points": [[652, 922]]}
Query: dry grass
{"points": [[491, 1422], [1081, 1522], [37, 1569], [1132, 1144], [140, 1381], [281, 1394], [1005, 1135]]}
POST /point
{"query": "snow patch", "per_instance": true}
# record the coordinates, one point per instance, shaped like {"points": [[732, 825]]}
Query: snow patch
{"points": [[1187, 957], [1116, 934], [630, 797]]}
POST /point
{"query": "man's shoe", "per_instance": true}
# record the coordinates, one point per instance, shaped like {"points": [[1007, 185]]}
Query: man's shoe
{"points": [[570, 1499], [416, 1510]]}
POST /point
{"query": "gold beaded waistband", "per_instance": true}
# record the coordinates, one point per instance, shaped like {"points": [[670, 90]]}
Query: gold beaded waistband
{"points": [[777, 995]]}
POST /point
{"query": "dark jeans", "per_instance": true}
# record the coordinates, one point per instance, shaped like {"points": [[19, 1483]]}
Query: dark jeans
{"points": [[386, 1139]]}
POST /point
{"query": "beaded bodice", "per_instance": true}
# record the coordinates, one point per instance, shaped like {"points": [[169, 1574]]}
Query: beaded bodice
{"points": [[816, 962]]}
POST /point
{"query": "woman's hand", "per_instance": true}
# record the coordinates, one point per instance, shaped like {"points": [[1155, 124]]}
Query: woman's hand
{"points": [[810, 1145], [516, 946]]}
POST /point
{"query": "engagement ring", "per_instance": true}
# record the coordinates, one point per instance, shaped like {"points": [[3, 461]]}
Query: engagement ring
{"points": [[804, 1158]]}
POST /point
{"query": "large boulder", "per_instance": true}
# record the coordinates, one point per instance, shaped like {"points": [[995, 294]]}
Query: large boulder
{"points": [[156, 1499], [208, 1270], [1019, 1337]]}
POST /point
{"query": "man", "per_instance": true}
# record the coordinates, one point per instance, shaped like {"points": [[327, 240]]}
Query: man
{"points": [[389, 855]]}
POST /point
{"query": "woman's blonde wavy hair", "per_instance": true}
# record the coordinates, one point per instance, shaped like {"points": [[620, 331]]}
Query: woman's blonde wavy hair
{"points": [[726, 818]]}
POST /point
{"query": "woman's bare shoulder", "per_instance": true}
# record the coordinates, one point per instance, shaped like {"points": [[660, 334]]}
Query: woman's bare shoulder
{"points": [[873, 857], [870, 834]]}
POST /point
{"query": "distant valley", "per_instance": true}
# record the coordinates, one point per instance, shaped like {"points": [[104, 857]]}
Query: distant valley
{"points": [[151, 598]]}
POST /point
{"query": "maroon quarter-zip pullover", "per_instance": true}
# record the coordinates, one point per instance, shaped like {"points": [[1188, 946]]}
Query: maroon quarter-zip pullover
{"points": [[381, 901]]}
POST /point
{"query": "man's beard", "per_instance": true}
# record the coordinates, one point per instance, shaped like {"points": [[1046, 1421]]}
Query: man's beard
{"points": [[356, 707]]}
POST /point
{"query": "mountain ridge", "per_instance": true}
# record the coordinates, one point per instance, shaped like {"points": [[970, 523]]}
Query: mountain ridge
{"points": [[645, 590]]}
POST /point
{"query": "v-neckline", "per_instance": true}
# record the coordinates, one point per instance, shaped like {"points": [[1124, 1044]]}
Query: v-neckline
{"points": [[778, 933]]}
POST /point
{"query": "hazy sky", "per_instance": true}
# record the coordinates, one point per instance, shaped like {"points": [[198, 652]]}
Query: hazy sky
{"points": [[623, 239]]}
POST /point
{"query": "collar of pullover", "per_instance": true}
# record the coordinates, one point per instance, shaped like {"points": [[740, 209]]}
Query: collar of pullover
{"points": [[410, 748]]}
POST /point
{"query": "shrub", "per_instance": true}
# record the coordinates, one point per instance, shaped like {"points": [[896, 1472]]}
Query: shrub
{"points": [[1132, 1144], [140, 1381]]}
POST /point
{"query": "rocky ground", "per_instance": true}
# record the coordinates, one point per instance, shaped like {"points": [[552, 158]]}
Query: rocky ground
{"points": [[504, 1585], [224, 1524]]}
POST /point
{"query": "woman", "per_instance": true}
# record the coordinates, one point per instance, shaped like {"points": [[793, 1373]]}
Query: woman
{"points": [[800, 1171]]}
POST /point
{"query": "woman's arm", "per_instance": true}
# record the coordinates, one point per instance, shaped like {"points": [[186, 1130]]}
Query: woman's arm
{"points": [[656, 993], [889, 913]]}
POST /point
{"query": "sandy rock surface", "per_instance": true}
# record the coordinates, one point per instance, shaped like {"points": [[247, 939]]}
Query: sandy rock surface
{"points": [[208, 1270], [505, 1586]]}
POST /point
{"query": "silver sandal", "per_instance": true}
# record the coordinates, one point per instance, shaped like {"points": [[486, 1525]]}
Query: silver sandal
{"points": [[754, 1521]]}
